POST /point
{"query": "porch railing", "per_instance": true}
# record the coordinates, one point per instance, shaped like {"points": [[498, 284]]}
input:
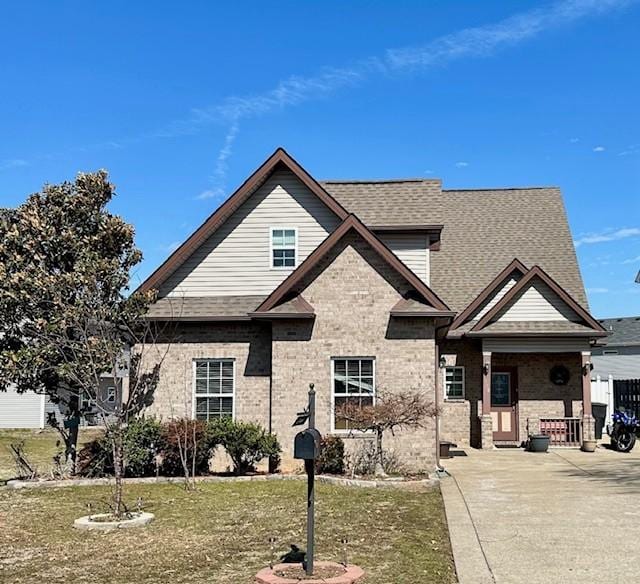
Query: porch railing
{"points": [[562, 431]]}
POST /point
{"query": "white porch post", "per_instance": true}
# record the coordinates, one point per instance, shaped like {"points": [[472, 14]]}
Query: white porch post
{"points": [[486, 422], [588, 423]]}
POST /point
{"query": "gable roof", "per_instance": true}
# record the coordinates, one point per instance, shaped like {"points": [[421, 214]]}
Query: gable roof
{"points": [[352, 223], [492, 288], [280, 158], [484, 229], [623, 332], [538, 273]]}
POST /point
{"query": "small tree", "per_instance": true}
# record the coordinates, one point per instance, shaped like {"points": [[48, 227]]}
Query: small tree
{"points": [[391, 411], [66, 318]]}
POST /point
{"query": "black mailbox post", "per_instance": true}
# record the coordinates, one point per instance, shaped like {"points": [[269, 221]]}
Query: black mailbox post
{"points": [[306, 446]]}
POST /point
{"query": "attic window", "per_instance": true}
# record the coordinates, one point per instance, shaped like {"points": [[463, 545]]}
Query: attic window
{"points": [[283, 247]]}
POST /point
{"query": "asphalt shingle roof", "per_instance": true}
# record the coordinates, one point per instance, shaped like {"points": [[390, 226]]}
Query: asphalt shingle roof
{"points": [[624, 331], [194, 307], [483, 230]]}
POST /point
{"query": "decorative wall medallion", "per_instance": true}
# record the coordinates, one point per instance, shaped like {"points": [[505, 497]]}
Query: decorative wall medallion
{"points": [[559, 375]]}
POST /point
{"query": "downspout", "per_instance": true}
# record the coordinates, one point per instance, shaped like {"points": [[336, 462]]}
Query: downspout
{"points": [[439, 467]]}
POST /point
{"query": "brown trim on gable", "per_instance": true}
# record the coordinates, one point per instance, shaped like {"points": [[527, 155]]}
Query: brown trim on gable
{"points": [[351, 222], [538, 272], [516, 264], [248, 187], [578, 334], [408, 227]]}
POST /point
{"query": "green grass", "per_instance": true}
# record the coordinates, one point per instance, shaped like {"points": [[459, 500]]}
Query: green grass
{"points": [[40, 447], [220, 533]]}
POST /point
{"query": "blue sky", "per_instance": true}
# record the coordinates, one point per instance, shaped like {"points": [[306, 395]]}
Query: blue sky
{"points": [[181, 101]]}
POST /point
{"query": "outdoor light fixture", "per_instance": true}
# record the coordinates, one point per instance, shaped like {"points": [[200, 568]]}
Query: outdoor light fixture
{"points": [[485, 369], [443, 362], [587, 368]]}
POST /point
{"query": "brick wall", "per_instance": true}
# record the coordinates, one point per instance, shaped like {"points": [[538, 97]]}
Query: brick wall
{"points": [[352, 292], [248, 343]]}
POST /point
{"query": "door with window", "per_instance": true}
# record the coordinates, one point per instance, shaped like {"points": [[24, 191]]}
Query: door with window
{"points": [[504, 403]]}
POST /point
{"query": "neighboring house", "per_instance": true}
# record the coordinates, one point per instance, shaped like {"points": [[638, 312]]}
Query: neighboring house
{"points": [[31, 410], [471, 296], [620, 357]]}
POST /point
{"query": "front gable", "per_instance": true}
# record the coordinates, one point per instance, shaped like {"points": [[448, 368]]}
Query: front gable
{"points": [[352, 243], [229, 254], [537, 304]]}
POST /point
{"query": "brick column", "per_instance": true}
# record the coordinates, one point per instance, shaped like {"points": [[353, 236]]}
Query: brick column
{"points": [[486, 422], [588, 423]]}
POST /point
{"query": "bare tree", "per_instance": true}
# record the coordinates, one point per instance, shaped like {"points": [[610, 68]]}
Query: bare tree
{"points": [[392, 410]]}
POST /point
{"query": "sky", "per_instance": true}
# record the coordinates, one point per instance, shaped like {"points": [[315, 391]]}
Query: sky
{"points": [[181, 101]]}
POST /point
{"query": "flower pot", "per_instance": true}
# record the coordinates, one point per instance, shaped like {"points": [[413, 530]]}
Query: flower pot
{"points": [[538, 443], [589, 445]]}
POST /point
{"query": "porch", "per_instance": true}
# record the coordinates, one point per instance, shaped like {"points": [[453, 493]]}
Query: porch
{"points": [[535, 387]]}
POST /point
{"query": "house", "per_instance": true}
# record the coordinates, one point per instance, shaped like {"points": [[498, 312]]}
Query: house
{"points": [[620, 357], [471, 296], [30, 410]]}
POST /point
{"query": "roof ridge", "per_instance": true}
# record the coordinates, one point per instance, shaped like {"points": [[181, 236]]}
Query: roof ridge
{"points": [[530, 188], [380, 180]]}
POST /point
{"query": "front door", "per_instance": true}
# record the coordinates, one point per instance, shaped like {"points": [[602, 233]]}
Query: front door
{"points": [[504, 403]]}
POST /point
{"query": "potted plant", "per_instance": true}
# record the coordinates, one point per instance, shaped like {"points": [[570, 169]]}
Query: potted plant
{"points": [[589, 445], [538, 443]]}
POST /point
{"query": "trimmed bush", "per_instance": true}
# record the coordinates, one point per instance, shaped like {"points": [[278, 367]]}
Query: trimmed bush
{"points": [[142, 440], [246, 443], [331, 459], [178, 438]]}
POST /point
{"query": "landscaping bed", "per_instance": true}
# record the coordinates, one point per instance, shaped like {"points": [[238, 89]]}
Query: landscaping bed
{"points": [[220, 533]]}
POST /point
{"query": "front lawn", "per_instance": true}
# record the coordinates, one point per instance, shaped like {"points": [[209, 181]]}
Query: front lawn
{"points": [[40, 448], [220, 533]]}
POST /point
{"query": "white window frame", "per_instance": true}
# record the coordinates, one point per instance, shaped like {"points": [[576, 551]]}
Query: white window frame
{"points": [[195, 395], [295, 247], [348, 431], [111, 392], [444, 383]]}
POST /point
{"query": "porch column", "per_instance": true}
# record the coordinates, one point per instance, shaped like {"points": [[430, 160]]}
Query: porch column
{"points": [[486, 422], [588, 423]]}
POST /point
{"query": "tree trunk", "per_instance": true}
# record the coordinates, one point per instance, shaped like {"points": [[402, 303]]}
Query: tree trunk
{"points": [[379, 455], [118, 471]]}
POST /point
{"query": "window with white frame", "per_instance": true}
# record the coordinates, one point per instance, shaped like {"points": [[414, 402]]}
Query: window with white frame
{"points": [[454, 382], [214, 387], [283, 247], [111, 394], [353, 382]]}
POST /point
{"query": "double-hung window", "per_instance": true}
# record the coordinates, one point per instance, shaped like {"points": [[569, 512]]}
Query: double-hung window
{"points": [[354, 383], [283, 247], [214, 388], [454, 382]]}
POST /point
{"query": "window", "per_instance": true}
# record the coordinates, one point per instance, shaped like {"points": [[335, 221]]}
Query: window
{"points": [[454, 382], [214, 388], [111, 395], [283, 247], [353, 382]]}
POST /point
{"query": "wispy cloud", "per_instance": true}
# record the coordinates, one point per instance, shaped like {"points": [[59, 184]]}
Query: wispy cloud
{"points": [[462, 164], [597, 290], [635, 260], [12, 163], [608, 235], [473, 42], [218, 178], [629, 150], [599, 149], [574, 140]]}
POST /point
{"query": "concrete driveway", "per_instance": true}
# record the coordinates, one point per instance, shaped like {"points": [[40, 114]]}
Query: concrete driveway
{"points": [[565, 516]]}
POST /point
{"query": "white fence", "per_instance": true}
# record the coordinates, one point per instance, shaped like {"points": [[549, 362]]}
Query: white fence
{"points": [[602, 392]]}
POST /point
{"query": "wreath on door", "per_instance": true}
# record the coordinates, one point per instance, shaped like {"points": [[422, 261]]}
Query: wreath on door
{"points": [[559, 375]]}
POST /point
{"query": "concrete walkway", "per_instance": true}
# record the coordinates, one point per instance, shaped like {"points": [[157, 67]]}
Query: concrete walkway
{"points": [[566, 516]]}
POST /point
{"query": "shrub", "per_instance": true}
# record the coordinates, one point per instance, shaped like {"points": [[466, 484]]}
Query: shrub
{"points": [[178, 437], [365, 460], [331, 459], [142, 441], [246, 443]]}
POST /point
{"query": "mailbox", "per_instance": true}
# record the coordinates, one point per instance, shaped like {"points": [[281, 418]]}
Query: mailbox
{"points": [[306, 445]]}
